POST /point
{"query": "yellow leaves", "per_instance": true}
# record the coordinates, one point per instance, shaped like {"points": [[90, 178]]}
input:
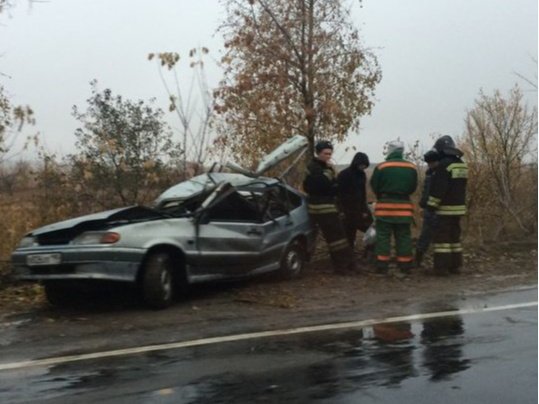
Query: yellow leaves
{"points": [[168, 59], [87, 174], [149, 164]]}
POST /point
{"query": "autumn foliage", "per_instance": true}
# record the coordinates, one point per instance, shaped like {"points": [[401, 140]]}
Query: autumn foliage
{"points": [[291, 67]]}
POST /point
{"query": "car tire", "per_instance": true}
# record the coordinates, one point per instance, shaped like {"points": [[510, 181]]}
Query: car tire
{"points": [[158, 282], [293, 261], [59, 294]]}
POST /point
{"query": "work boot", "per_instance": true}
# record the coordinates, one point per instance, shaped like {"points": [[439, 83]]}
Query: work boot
{"points": [[406, 271], [382, 269], [418, 257], [436, 272]]}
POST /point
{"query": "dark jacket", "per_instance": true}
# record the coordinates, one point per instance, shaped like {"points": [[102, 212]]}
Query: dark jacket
{"points": [[352, 183], [426, 188], [320, 183], [447, 195]]}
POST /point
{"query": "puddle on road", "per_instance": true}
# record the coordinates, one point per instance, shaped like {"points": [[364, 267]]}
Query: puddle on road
{"points": [[8, 330], [298, 368]]}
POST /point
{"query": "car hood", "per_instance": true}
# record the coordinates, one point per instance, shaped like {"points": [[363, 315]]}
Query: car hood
{"points": [[120, 215]]}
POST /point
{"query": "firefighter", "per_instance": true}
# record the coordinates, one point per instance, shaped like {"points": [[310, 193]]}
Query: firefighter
{"points": [[352, 195], [432, 157], [321, 187], [447, 198], [393, 181]]}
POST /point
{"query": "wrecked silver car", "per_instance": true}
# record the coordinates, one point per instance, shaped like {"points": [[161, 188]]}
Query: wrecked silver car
{"points": [[214, 226]]}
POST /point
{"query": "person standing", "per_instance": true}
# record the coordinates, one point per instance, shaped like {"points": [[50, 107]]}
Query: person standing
{"points": [[447, 199], [320, 184], [352, 196], [393, 181], [429, 216]]}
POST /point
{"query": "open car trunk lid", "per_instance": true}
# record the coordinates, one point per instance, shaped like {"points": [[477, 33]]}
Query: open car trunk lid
{"points": [[284, 151]]}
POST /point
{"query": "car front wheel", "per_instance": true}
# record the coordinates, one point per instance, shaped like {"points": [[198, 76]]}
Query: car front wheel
{"points": [[158, 283], [293, 261], [59, 294]]}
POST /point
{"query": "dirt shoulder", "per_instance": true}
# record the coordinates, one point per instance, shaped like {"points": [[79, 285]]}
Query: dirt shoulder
{"points": [[495, 267], [29, 327]]}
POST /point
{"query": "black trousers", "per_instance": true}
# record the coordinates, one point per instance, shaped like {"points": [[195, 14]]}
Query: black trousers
{"points": [[446, 244], [340, 251], [355, 220]]}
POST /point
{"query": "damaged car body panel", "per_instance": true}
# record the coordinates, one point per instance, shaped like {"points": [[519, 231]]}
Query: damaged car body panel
{"points": [[213, 226]]}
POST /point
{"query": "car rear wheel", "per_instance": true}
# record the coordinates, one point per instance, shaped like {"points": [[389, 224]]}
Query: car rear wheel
{"points": [[158, 282], [293, 261]]}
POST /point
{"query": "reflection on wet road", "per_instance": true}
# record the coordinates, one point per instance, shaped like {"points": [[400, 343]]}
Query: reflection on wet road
{"points": [[488, 357]]}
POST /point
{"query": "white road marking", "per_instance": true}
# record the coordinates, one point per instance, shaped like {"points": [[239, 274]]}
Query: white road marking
{"points": [[260, 334]]}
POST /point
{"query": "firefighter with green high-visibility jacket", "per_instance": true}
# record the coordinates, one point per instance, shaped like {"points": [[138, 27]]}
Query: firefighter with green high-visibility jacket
{"points": [[320, 184], [447, 198], [393, 181]]}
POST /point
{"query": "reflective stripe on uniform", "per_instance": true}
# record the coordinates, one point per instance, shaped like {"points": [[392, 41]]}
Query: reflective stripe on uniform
{"points": [[393, 209], [456, 247], [338, 245], [458, 170], [396, 164], [385, 205], [318, 209], [405, 259], [442, 248], [398, 213], [448, 210], [383, 257], [434, 202]]}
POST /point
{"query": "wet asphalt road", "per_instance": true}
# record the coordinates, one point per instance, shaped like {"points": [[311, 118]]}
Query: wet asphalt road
{"points": [[467, 358]]}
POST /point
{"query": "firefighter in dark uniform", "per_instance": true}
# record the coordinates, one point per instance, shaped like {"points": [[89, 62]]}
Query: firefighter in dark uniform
{"points": [[447, 198], [393, 181], [321, 187], [432, 157]]}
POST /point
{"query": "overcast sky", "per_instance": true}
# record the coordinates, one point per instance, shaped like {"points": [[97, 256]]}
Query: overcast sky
{"points": [[435, 56]]}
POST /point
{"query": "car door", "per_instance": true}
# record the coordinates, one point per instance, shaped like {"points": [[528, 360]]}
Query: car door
{"points": [[278, 225], [229, 235]]}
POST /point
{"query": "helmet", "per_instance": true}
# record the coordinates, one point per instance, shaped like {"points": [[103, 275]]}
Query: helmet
{"points": [[446, 146], [431, 155], [321, 145], [443, 143], [395, 145]]}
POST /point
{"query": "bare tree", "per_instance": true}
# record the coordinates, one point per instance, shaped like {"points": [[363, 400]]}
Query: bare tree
{"points": [[194, 108], [12, 120], [531, 82], [500, 144]]}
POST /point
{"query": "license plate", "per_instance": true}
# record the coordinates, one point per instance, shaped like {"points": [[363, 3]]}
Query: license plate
{"points": [[44, 259]]}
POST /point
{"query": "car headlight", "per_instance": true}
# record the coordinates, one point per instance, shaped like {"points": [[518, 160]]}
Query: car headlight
{"points": [[27, 241], [96, 237]]}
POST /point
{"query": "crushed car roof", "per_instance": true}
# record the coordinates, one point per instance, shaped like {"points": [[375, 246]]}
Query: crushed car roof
{"points": [[200, 183], [241, 177]]}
